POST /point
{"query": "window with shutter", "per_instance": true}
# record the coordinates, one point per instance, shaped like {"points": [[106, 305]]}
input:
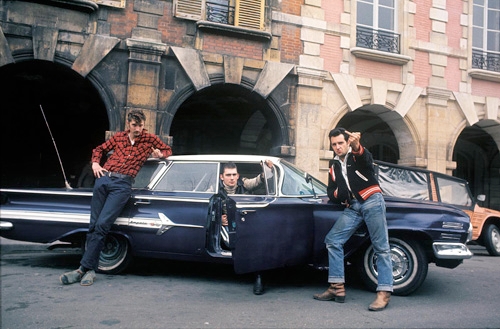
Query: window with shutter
{"points": [[189, 9], [241, 13], [250, 13]]}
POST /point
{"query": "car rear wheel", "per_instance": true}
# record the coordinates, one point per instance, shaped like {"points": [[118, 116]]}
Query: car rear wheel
{"points": [[409, 266], [115, 256], [492, 239]]}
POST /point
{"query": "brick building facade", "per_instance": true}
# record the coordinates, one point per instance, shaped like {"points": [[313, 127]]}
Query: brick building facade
{"points": [[417, 78]]}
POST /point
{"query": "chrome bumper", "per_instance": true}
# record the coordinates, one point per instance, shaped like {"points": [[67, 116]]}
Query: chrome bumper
{"points": [[450, 250]]}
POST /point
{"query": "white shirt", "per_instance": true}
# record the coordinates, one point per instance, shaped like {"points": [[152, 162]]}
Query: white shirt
{"points": [[344, 167]]}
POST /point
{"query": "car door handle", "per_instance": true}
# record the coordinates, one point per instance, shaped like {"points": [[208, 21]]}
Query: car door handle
{"points": [[244, 213], [142, 202]]}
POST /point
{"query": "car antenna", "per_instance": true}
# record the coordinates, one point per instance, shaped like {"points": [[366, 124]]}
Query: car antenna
{"points": [[57, 151]]}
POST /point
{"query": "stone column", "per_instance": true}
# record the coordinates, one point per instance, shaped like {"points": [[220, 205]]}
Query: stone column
{"points": [[144, 77]]}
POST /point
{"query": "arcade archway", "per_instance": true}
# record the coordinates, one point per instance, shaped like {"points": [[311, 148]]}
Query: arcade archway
{"points": [[224, 119], [76, 115], [478, 161]]}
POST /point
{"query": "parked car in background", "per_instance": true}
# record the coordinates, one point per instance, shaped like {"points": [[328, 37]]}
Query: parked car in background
{"points": [[175, 213], [420, 184]]}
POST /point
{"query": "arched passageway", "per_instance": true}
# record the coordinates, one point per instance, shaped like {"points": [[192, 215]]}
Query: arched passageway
{"points": [[376, 135], [224, 119], [76, 115], [478, 161]]}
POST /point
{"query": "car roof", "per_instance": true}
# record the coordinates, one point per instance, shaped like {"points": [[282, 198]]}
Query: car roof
{"points": [[415, 169], [223, 157]]}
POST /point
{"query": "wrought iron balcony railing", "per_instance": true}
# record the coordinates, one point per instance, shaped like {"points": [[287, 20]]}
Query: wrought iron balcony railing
{"points": [[378, 40], [485, 60], [220, 13]]}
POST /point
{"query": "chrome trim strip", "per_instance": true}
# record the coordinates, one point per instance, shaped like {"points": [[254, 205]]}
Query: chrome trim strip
{"points": [[6, 226], [162, 223], [45, 216], [41, 191], [165, 198]]}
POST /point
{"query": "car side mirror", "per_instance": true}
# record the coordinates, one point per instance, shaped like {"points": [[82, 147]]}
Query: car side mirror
{"points": [[481, 197], [308, 179]]}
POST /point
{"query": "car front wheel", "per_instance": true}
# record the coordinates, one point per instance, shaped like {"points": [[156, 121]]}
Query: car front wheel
{"points": [[409, 266], [115, 256], [492, 239]]}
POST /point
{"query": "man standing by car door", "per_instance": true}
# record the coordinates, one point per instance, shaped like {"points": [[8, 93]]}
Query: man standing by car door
{"points": [[113, 186], [352, 182]]}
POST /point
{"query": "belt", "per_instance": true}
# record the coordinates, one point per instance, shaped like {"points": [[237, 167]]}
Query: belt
{"points": [[117, 175]]}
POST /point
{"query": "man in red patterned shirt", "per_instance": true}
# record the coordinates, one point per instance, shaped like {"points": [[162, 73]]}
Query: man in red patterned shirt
{"points": [[113, 187]]}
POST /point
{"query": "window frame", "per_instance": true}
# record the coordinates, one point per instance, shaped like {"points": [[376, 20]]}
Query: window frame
{"points": [[244, 11], [482, 58], [373, 36]]}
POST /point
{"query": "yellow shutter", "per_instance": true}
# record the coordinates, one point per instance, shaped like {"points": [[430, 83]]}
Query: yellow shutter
{"points": [[189, 9], [250, 13]]}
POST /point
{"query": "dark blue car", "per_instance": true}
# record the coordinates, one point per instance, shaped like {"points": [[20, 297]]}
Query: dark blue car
{"points": [[175, 213]]}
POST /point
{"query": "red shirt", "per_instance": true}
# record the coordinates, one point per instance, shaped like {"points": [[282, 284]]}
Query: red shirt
{"points": [[128, 159]]}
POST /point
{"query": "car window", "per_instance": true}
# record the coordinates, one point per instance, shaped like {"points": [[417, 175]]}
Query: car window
{"points": [[453, 192], [294, 182], [189, 177], [147, 173], [251, 171], [403, 183]]}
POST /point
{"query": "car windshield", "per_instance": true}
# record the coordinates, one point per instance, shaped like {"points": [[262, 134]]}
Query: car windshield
{"points": [[294, 182]]}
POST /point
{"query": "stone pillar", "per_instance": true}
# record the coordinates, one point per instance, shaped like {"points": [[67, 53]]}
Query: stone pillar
{"points": [[307, 122], [144, 77], [438, 119]]}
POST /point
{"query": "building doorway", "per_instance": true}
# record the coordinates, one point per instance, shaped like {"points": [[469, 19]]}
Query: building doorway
{"points": [[75, 113], [478, 161], [224, 119]]}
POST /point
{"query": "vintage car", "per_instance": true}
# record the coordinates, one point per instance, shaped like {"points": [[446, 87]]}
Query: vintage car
{"points": [[175, 213], [421, 184]]}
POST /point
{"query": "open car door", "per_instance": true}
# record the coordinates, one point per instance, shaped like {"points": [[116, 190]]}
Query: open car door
{"points": [[267, 233]]}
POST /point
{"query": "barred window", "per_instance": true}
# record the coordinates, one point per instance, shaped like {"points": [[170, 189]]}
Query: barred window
{"points": [[486, 35], [376, 25], [241, 13]]}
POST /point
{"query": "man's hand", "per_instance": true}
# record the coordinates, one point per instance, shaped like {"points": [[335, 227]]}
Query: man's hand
{"points": [[354, 140], [156, 153], [269, 163], [98, 170], [268, 169], [224, 220]]}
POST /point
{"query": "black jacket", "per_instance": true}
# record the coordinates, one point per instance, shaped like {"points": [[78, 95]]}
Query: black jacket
{"points": [[361, 175]]}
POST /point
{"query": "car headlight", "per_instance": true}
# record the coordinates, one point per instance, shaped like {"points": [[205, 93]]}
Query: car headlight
{"points": [[469, 233]]}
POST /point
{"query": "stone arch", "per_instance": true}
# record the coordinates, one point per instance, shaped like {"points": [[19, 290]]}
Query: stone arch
{"points": [[266, 90], [405, 136], [475, 152], [209, 109], [75, 109]]}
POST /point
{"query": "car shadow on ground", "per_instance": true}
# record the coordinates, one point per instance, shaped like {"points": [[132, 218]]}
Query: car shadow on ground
{"points": [[305, 276]]}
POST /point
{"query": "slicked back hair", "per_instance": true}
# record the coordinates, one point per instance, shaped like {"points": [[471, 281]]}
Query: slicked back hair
{"points": [[137, 116], [337, 132]]}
